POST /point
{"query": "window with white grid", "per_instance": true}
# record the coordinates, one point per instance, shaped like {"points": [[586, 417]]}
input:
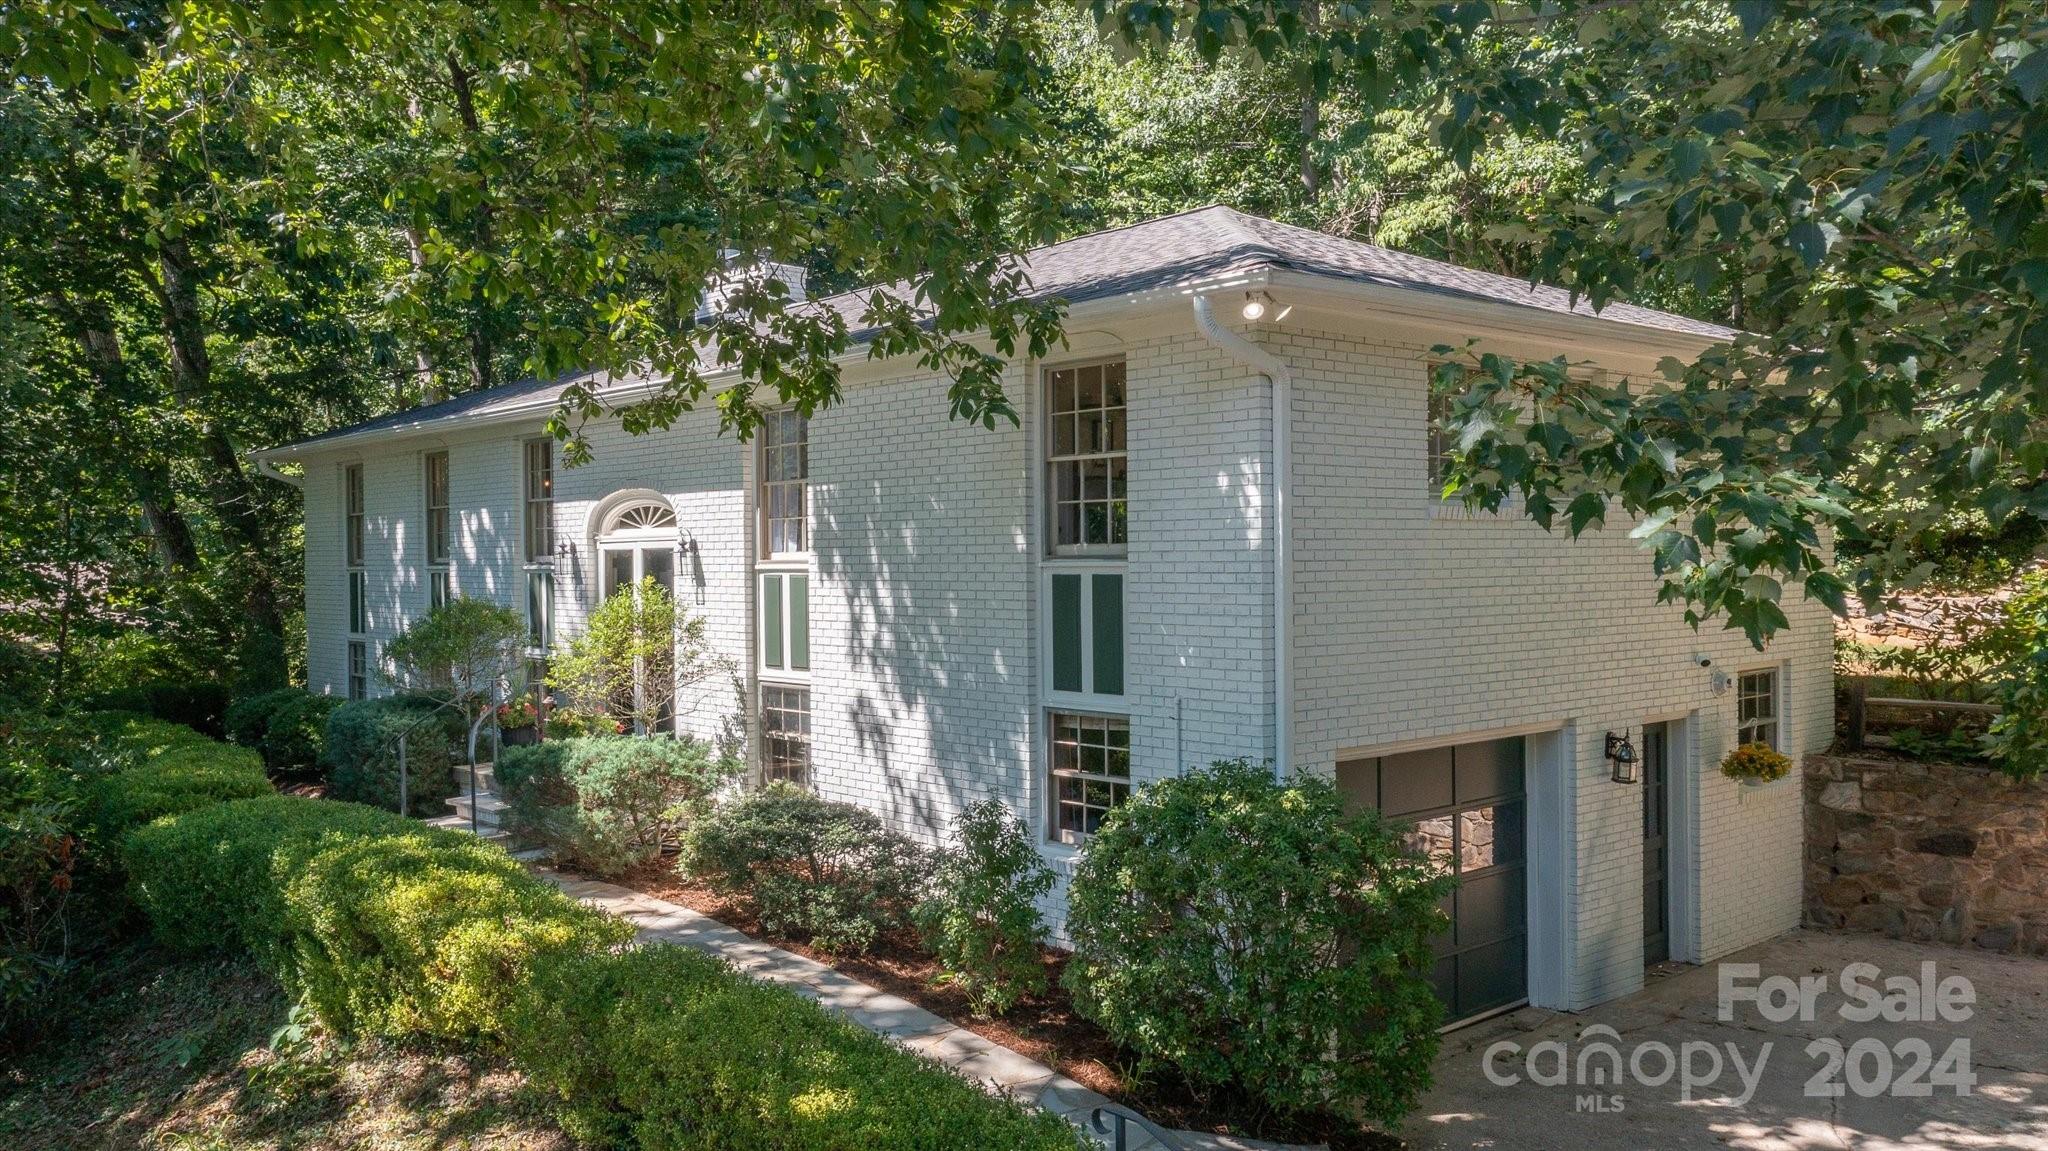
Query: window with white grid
{"points": [[785, 734], [1086, 459], [1091, 771], [785, 484], [358, 669], [540, 501], [352, 514], [437, 508], [1756, 708]]}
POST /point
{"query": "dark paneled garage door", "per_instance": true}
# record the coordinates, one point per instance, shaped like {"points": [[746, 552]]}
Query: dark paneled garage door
{"points": [[1466, 807]]}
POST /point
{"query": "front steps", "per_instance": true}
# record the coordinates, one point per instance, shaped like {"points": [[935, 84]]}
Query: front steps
{"points": [[484, 803]]}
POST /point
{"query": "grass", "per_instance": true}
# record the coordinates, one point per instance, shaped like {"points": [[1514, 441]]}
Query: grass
{"points": [[208, 1055]]}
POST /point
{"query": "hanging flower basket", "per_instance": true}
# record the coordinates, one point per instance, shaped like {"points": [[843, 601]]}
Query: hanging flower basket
{"points": [[1756, 763]]}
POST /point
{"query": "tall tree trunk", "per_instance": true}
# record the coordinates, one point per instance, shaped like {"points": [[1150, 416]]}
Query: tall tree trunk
{"points": [[430, 383], [148, 477], [481, 374], [1311, 110], [232, 493], [416, 251]]}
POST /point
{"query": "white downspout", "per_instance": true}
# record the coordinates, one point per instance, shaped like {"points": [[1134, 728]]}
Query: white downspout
{"points": [[270, 471], [1281, 384]]}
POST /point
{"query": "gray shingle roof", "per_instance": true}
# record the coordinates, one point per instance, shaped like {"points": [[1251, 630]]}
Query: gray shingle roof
{"points": [[1201, 244]]}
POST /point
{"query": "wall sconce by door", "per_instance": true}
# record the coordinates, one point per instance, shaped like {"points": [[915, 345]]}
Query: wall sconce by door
{"points": [[1622, 754]]}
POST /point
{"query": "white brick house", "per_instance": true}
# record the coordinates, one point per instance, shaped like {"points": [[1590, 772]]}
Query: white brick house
{"points": [[920, 620]]}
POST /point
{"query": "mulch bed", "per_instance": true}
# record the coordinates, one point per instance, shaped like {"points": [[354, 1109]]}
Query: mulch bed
{"points": [[1043, 1028]]}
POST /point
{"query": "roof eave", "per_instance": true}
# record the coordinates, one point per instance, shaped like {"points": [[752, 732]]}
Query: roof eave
{"points": [[1508, 319]]}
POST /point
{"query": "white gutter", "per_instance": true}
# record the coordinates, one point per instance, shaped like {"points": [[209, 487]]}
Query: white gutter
{"points": [[269, 469], [1281, 384]]}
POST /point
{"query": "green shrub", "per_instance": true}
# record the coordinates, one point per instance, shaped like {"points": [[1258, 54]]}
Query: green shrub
{"points": [[383, 925], [807, 868], [1253, 936], [249, 717], [39, 861], [605, 804], [362, 752], [401, 934], [288, 727], [166, 779], [200, 705], [214, 879], [666, 1049], [981, 916]]}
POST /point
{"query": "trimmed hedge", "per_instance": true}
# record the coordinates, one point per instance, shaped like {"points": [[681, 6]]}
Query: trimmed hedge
{"points": [[667, 1048], [287, 727], [385, 926], [162, 769], [391, 927], [362, 749]]}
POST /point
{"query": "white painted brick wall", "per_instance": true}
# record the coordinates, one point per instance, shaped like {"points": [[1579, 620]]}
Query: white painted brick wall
{"points": [[1411, 626], [924, 619]]}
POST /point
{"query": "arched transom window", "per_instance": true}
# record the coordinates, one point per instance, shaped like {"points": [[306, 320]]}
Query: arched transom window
{"points": [[639, 542]]}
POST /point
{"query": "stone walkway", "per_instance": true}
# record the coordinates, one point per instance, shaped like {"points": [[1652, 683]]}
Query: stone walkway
{"points": [[994, 1065]]}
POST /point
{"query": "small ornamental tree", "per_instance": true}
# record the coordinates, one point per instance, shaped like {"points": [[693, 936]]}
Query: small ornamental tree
{"points": [[1254, 937], [465, 653], [636, 652]]}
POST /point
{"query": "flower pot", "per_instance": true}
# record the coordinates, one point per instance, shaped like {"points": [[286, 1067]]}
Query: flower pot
{"points": [[519, 736]]}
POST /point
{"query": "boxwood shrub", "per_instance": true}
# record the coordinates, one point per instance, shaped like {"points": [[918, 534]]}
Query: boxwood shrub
{"points": [[667, 1049], [362, 751], [1255, 937], [808, 868], [287, 727], [606, 803], [162, 769], [383, 925]]}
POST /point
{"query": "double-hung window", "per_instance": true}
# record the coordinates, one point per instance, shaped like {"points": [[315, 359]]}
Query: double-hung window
{"points": [[1086, 459], [353, 518], [785, 483], [785, 734], [1091, 771], [539, 524], [1756, 708], [435, 467], [358, 669], [1081, 596], [782, 597]]}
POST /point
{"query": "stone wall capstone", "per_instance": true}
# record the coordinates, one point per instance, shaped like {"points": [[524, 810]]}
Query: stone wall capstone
{"points": [[1928, 851]]}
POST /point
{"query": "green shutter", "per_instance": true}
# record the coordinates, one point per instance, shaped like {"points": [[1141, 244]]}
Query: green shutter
{"points": [[1066, 633], [771, 621], [1108, 611], [800, 623]]}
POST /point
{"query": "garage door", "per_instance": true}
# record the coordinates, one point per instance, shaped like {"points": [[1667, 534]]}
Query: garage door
{"points": [[1465, 805]]}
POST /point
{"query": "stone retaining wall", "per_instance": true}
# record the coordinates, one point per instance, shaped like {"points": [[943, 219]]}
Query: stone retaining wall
{"points": [[1927, 851]]}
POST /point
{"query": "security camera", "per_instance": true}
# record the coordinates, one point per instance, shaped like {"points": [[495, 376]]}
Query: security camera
{"points": [[1702, 659]]}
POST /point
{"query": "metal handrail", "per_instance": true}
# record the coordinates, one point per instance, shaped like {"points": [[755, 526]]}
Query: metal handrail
{"points": [[1114, 1121], [404, 773], [400, 741]]}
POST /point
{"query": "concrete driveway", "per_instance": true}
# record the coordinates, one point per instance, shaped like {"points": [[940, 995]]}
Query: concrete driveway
{"points": [[1896, 1093]]}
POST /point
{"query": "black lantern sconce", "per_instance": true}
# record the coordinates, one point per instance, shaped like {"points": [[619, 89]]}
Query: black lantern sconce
{"points": [[1622, 754], [566, 549]]}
